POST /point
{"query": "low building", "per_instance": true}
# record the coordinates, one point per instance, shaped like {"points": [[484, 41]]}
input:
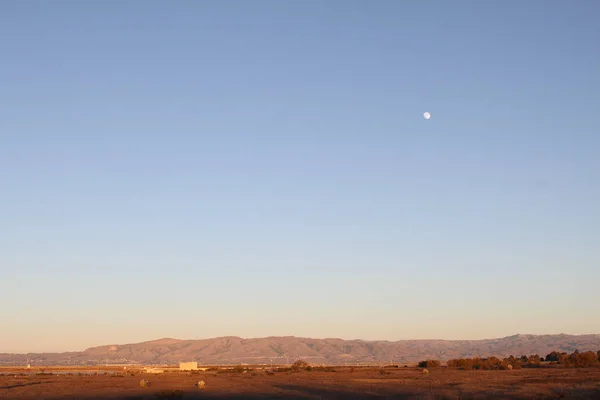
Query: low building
{"points": [[188, 366], [154, 371]]}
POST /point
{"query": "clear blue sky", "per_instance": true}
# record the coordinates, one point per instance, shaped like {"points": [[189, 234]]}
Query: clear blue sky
{"points": [[195, 169]]}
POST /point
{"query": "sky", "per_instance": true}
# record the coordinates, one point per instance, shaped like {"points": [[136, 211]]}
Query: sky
{"points": [[196, 169]]}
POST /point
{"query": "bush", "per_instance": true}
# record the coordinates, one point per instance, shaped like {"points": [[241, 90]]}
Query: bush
{"points": [[575, 360], [533, 361], [300, 365], [429, 364], [461, 363], [516, 365], [582, 360], [491, 363]]}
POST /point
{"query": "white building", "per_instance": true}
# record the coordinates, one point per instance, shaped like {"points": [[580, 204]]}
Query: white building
{"points": [[188, 366]]}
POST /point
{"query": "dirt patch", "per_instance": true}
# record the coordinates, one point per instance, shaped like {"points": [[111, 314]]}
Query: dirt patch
{"points": [[361, 383]]}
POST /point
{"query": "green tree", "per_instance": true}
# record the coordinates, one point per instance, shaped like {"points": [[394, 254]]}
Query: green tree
{"points": [[554, 356]]}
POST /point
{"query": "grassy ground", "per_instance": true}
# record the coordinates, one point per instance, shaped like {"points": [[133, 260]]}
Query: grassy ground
{"points": [[360, 383]]}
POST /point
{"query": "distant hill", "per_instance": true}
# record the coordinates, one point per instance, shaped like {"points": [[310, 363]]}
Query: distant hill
{"points": [[235, 350]]}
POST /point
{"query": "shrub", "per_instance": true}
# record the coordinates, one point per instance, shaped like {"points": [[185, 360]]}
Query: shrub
{"points": [[533, 361], [575, 360], [477, 363], [494, 363], [514, 363], [578, 360], [491, 363], [518, 365], [429, 364], [585, 359], [466, 364], [300, 365]]}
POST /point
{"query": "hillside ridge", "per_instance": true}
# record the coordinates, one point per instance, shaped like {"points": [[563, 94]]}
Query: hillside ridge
{"points": [[285, 349]]}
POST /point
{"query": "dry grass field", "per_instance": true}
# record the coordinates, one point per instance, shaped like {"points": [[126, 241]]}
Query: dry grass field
{"points": [[342, 383]]}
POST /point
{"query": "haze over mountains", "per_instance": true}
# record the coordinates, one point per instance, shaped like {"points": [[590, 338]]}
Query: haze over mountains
{"points": [[235, 350]]}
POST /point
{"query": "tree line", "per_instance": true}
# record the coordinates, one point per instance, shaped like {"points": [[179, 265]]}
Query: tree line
{"points": [[573, 360]]}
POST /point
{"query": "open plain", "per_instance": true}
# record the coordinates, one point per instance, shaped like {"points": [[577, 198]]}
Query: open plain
{"points": [[327, 383]]}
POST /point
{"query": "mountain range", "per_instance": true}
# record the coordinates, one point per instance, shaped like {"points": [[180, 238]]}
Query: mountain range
{"points": [[279, 350]]}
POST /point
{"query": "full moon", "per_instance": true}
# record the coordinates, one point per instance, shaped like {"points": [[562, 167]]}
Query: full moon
{"points": [[426, 115]]}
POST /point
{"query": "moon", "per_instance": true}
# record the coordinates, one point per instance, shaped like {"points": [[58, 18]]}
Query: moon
{"points": [[426, 115]]}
